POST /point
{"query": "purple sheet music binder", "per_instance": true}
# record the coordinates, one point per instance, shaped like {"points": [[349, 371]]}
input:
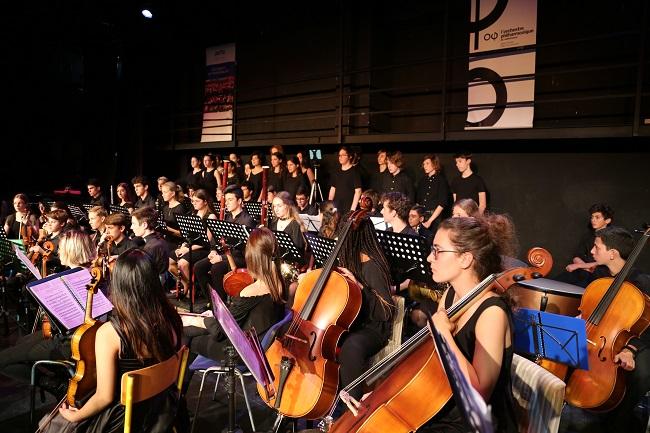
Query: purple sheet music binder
{"points": [[246, 343], [63, 296]]}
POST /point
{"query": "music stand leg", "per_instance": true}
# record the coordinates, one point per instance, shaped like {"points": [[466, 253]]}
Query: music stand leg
{"points": [[191, 280], [231, 357]]}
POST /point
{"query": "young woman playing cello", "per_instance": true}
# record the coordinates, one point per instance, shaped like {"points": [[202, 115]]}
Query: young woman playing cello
{"points": [[144, 329], [464, 252]]}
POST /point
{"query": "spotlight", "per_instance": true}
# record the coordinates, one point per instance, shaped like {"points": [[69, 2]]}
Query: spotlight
{"points": [[147, 13]]}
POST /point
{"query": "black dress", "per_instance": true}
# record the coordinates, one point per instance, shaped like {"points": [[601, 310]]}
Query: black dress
{"points": [[256, 183], [449, 418]]}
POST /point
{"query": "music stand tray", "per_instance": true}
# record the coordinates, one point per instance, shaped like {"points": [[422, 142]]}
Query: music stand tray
{"points": [[115, 208], [551, 336], [321, 247], [191, 226], [288, 250], [406, 253], [77, 213]]}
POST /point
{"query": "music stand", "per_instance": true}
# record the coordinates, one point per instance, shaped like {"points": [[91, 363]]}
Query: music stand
{"points": [[116, 208], [217, 208], [254, 209], [407, 256], [321, 247], [228, 230], [77, 213], [247, 345], [312, 222], [6, 257], [288, 250], [192, 229], [87, 206], [551, 336], [470, 403]]}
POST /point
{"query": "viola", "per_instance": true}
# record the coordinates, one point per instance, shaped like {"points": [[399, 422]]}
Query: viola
{"points": [[416, 385], [84, 381], [46, 325], [615, 310], [238, 278], [303, 361]]}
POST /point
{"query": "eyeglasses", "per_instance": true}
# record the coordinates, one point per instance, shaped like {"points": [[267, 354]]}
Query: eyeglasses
{"points": [[435, 251]]}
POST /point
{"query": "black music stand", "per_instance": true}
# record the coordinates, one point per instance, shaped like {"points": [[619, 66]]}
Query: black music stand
{"points": [[6, 257], [228, 230], [551, 336], [288, 250], [116, 208], [217, 208], [254, 209], [407, 256], [87, 206], [77, 213], [321, 247], [192, 229]]}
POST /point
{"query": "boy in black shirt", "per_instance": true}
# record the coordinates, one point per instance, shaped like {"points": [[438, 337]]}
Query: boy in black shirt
{"points": [[345, 189], [141, 186], [303, 203], [95, 193], [468, 184]]}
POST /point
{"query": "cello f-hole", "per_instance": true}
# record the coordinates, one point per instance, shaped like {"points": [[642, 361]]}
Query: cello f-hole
{"points": [[312, 334], [603, 341]]}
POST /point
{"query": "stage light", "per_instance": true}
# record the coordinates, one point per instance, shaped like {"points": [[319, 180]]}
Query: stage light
{"points": [[147, 13]]}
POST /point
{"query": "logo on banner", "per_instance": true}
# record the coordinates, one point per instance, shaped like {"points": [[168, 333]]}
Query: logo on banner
{"points": [[499, 24]]}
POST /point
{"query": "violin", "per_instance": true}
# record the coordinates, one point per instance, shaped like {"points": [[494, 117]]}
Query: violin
{"points": [[27, 232], [47, 246], [238, 278], [84, 381], [46, 325], [303, 361], [416, 385]]}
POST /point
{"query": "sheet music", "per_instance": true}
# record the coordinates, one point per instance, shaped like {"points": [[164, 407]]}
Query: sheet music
{"points": [[28, 264], [379, 223], [77, 283]]}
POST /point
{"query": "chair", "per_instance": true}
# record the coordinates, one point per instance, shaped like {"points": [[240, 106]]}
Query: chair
{"points": [[69, 368], [208, 366], [395, 340], [139, 385], [539, 396]]}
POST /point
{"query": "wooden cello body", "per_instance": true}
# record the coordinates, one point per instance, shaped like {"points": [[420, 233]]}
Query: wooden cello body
{"points": [[417, 387], [325, 305], [602, 387]]}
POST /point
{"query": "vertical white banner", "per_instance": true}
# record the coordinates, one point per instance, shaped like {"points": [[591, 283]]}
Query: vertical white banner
{"points": [[500, 24], [219, 98]]}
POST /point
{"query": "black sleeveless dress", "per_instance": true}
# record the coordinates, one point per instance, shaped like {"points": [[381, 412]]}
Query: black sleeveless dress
{"points": [[449, 419]]}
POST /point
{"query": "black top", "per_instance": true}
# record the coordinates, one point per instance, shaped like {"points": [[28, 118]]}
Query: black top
{"points": [[259, 312], [194, 179], [149, 201], [276, 179], [209, 182], [425, 233], [156, 247], [292, 184], [433, 191], [294, 232], [169, 216], [379, 180], [100, 200], [119, 248], [256, 184], [345, 182], [310, 209], [375, 314], [584, 247], [14, 225], [501, 400], [242, 218], [399, 183], [468, 187], [408, 230]]}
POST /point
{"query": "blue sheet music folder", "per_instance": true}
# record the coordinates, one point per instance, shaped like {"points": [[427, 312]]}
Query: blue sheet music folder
{"points": [[551, 336]]}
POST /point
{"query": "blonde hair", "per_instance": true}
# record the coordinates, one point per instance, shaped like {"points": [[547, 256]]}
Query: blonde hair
{"points": [[263, 261], [76, 249], [294, 214], [178, 191]]}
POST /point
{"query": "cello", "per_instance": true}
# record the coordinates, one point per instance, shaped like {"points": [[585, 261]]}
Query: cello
{"points": [[303, 361], [615, 310], [82, 345], [238, 278], [414, 370]]}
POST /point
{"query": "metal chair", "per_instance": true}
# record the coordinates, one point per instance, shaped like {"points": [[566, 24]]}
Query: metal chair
{"points": [[209, 366], [139, 385], [68, 366]]}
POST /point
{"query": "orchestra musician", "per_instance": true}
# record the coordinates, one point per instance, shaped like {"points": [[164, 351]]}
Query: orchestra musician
{"points": [[143, 223], [21, 218], [56, 224], [124, 194], [129, 341], [75, 250], [611, 248], [96, 217], [141, 187], [116, 225], [395, 210], [97, 198], [464, 252]]}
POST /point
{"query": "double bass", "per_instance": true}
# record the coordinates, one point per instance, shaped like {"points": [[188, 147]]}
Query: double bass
{"points": [[415, 387], [82, 345], [303, 361], [615, 310]]}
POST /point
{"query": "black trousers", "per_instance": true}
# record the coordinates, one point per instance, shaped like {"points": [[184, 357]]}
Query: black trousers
{"points": [[356, 350], [208, 274], [17, 361]]}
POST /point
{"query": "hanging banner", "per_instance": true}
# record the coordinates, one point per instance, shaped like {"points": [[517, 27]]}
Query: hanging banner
{"points": [[219, 98], [500, 24], [501, 91], [501, 82]]}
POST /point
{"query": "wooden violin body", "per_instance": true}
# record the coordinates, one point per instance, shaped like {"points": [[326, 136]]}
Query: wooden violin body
{"points": [[84, 381], [602, 387], [311, 386], [235, 281]]}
